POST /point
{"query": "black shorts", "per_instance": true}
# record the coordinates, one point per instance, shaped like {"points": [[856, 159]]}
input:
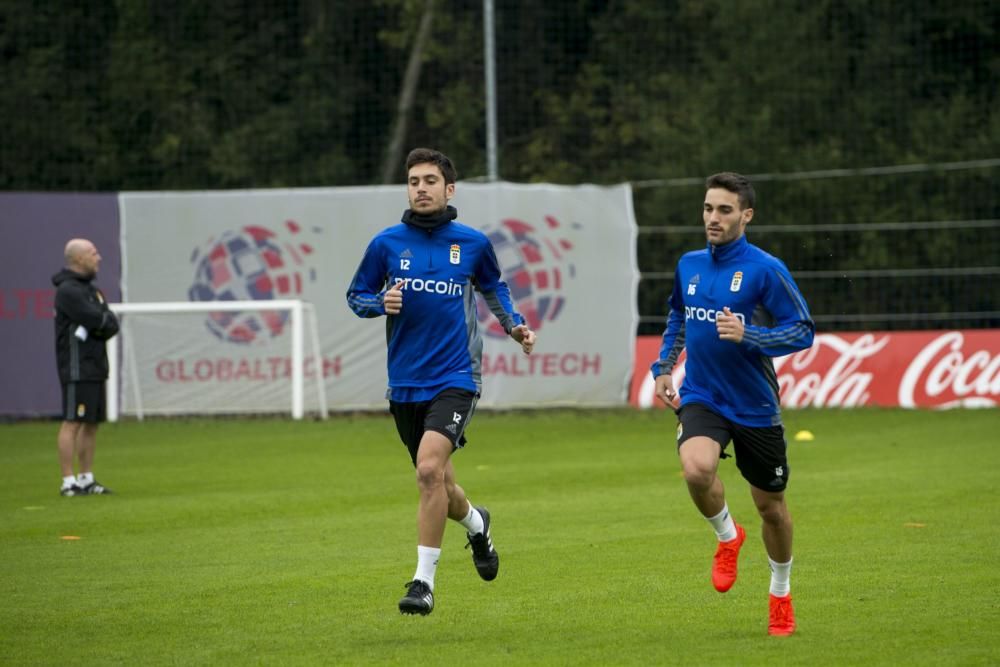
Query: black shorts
{"points": [[83, 402], [448, 413], [761, 452]]}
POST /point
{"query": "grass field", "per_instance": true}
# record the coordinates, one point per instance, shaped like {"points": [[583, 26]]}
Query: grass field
{"points": [[272, 542]]}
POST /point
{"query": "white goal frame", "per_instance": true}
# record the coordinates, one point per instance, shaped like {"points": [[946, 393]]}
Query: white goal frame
{"points": [[296, 309]]}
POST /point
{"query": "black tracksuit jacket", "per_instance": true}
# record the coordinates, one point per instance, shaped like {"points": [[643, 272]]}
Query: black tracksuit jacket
{"points": [[80, 303]]}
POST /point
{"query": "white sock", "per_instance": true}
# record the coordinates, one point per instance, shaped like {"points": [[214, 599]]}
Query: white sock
{"points": [[84, 479], [725, 527], [473, 521], [427, 562], [68, 481], [781, 574]]}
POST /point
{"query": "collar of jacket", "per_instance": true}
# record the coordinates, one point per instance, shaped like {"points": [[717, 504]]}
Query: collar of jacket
{"points": [[731, 250], [65, 274], [430, 222]]}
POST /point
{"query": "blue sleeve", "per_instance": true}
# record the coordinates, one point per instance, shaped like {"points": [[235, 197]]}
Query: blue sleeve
{"points": [[494, 290], [673, 335], [793, 328], [367, 289]]}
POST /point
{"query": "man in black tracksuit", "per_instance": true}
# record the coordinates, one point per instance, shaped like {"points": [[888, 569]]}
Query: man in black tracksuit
{"points": [[83, 324]]}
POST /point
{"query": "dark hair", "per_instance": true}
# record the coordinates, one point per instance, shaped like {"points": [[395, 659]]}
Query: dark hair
{"points": [[431, 156], [736, 183]]}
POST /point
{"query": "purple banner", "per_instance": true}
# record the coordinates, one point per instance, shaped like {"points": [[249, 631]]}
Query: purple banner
{"points": [[34, 229]]}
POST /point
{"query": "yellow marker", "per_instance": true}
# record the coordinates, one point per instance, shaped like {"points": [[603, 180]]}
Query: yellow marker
{"points": [[805, 436], [70, 537]]}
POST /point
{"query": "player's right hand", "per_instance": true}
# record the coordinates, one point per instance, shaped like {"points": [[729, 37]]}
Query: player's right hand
{"points": [[393, 298], [525, 336], [665, 389]]}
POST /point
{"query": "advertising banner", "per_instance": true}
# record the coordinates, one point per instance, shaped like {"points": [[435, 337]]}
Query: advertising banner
{"points": [[567, 253], [910, 369], [34, 229]]}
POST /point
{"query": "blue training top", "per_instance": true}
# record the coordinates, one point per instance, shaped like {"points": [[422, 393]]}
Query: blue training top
{"points": [[434, 342], [736, 380]]}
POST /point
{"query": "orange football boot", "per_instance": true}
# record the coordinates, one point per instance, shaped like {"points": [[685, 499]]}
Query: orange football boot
{"points": [[781, 619], [724, 564]]}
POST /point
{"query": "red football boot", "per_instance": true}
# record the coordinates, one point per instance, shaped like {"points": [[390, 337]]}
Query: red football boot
{"points": [[724, 564], [781, 619]]}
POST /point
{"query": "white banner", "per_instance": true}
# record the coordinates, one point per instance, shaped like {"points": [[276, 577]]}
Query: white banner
{"points": [[567, 253]]}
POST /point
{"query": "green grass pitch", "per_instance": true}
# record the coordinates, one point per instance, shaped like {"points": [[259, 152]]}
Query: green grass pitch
{"points": [[235, 542]]}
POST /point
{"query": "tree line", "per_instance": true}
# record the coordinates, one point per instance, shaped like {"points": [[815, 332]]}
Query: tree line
{"points": [[106, 95]]}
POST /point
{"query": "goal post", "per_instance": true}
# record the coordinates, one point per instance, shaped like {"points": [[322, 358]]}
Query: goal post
{"points": [[297, 310]]}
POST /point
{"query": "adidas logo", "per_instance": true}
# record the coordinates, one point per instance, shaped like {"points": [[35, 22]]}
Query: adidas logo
{"points": [[406, 254], [451, 428]]}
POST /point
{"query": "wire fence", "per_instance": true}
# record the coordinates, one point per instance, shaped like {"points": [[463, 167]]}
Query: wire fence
{"points": [[858, 268], [871, 131], [873, 298]]}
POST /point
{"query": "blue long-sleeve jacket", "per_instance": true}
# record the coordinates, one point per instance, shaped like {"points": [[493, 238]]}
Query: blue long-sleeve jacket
{"points": [[735, 379], [434, 342]]}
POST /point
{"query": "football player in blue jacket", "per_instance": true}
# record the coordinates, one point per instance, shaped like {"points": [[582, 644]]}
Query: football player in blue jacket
{"points": [[423, 274], [733, 308]]}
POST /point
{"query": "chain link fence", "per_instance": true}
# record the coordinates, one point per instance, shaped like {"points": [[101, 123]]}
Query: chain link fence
{"points": [[888, 268], [871, 130]]}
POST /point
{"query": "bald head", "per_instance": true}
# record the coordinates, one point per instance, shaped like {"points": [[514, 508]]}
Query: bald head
{"points": [[82, 257]]}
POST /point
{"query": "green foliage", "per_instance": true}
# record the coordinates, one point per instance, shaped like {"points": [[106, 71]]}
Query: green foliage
{"points": [[104, 95], [280, 543], [119, 95]]}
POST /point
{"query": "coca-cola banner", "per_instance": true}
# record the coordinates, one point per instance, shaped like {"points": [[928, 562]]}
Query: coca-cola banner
{"points": [[910, 369]]}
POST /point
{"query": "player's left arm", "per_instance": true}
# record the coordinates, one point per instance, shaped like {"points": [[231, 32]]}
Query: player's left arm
{"points": [[792, 327], [86, 306], [496, 294], [109, 323]]}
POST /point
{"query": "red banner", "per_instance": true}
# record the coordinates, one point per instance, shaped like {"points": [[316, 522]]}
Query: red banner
{"points": [[910, 369]]}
